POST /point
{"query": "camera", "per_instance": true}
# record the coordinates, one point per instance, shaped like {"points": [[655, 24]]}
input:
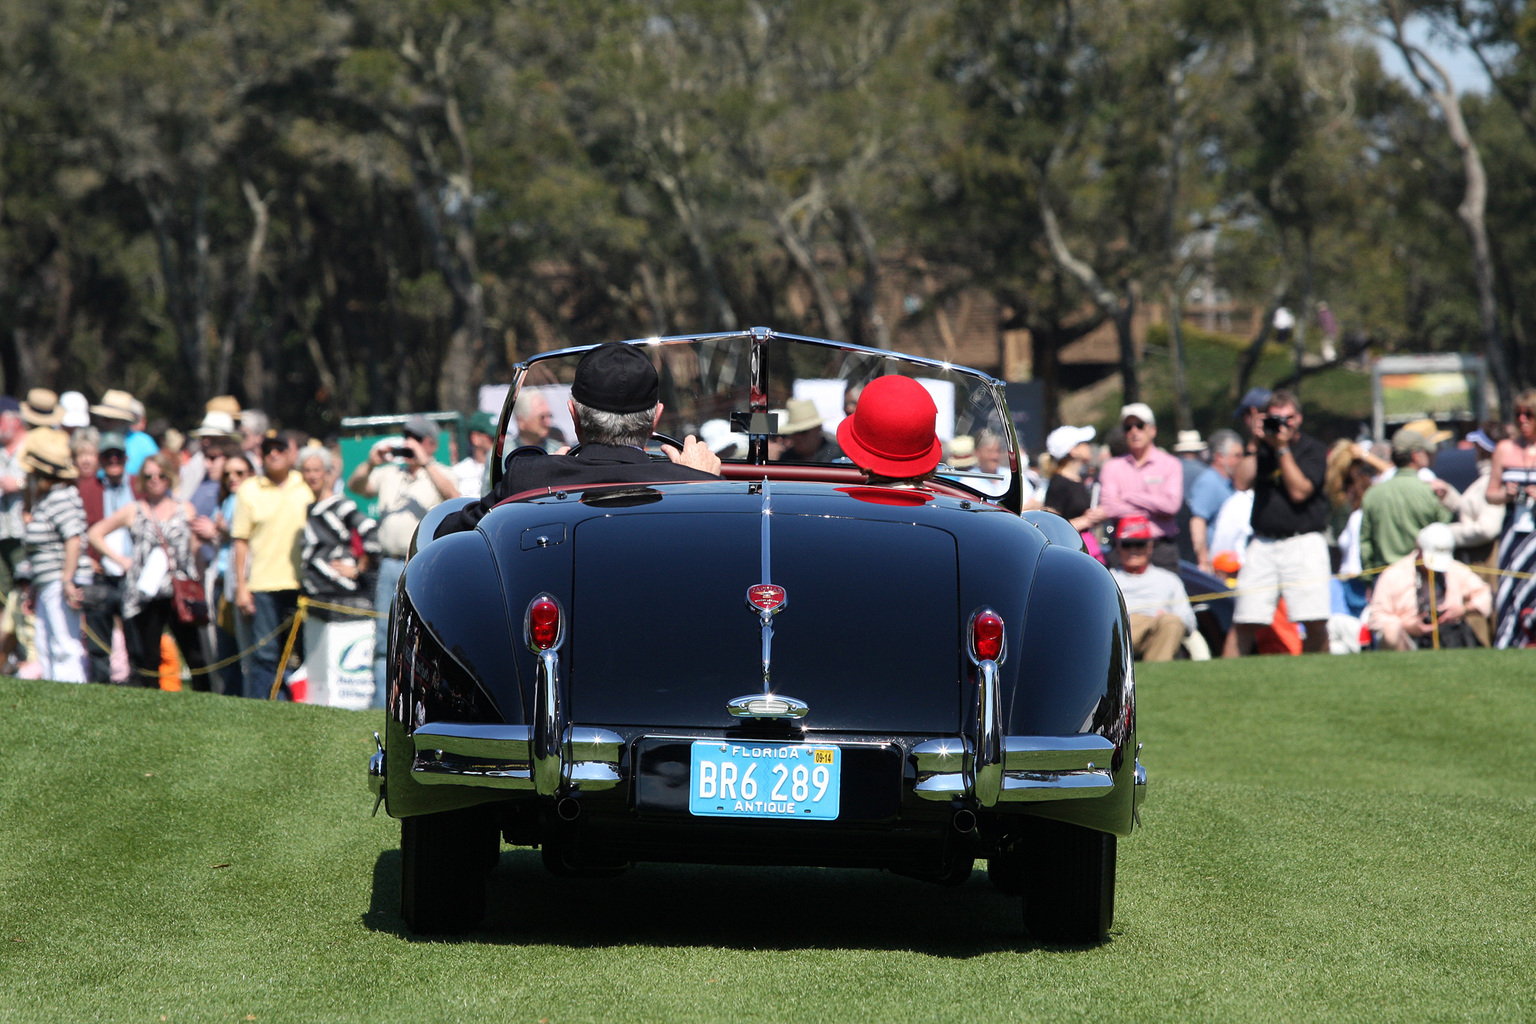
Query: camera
{"points": [[402, 452], [1273, 424]]}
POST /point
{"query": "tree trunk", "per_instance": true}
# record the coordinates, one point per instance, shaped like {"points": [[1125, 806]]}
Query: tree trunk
{"points": [[1183, 414], [1472, 212], [1120, 307]]}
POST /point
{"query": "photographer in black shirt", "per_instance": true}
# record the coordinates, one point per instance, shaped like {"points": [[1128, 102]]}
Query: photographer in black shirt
{"points": [[1288, 555]]}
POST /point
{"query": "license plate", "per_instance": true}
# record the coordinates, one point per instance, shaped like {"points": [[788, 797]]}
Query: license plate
{"points": [[750, 780]]}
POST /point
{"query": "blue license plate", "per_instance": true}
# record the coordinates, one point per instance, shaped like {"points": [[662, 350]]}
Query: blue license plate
{"points": [[731, 779]]}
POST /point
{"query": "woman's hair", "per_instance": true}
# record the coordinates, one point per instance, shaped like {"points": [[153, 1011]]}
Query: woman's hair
{"points": [[315, 451], [1526, 400], [229, 460], [169, 465], [1336, 475]]}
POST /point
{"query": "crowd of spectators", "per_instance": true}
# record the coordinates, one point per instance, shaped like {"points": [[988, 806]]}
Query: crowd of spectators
{"points": [[109, 524], [1425, 540]]}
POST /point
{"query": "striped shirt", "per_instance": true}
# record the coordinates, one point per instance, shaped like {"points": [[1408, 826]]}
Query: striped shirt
{"points": [[55, 519]]}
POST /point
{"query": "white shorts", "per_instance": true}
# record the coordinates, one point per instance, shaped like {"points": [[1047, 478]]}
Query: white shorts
{"points": [[1296, 568]]}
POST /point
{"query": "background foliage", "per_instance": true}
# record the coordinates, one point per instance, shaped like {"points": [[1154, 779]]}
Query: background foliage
{"points": [[356, 206]]}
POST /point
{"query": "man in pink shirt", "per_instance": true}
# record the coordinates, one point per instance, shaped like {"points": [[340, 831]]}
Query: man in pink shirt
{"points": [[1145, 481]]}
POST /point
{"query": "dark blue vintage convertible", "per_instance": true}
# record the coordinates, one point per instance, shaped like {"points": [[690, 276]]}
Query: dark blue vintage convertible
{"points": [[781, 666]]}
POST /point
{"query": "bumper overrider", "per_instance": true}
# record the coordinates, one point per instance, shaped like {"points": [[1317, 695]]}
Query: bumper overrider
{"points": [[553, 758]]}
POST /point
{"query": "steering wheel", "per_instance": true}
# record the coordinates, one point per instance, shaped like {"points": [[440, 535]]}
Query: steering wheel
{"points": [[655, 436]]}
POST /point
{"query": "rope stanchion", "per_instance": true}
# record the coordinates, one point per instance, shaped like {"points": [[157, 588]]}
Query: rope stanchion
{"points": [[293, 635]]}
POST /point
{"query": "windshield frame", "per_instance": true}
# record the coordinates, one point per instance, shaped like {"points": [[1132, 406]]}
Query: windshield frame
{"points": [[759, 369]]}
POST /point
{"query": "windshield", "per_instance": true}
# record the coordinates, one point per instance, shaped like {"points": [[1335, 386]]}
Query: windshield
{"points": [[808, 388]]}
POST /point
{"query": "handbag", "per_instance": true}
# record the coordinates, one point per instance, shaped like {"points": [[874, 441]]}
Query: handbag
{"points": [[187, 595], [190, 601]]}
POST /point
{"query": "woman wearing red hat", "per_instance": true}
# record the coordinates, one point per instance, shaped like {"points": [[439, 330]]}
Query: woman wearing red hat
{"points": [[891, 432]]}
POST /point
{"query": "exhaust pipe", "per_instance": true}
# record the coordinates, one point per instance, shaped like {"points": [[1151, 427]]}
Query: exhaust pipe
{"points": [[569, 809], [964, 821]]}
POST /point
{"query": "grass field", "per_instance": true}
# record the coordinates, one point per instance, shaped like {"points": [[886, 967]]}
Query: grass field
{"points": [[1324, 839]]}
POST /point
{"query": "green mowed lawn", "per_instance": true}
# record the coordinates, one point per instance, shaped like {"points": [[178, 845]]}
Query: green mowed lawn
{"points": [[1324, 839]]}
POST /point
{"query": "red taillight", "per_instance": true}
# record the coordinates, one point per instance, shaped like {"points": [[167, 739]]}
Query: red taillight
{"points": [[987, 636], [543, 623]]}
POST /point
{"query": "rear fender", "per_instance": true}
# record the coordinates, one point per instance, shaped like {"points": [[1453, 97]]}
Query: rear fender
{"points": [[1071, 672]]}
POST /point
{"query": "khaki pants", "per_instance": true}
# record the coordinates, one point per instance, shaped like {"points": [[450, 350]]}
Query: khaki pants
{"points": [[1156, 638]]}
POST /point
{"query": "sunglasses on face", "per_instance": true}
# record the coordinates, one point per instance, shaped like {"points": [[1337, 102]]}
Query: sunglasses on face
{"points": [[1134, 425], [236, 474], [1134, 545], [113, 457], [1525, 414], [153, 476]]}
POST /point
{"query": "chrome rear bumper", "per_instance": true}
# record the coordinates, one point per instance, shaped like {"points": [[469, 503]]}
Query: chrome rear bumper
{"points": [[1033, 768]]}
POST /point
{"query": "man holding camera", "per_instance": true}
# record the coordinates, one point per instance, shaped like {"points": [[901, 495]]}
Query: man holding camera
{"points": [[1288, 555], [408, 482]]}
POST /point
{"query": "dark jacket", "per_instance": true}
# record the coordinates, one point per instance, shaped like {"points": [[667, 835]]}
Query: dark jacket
{"points": [[529, 469]]}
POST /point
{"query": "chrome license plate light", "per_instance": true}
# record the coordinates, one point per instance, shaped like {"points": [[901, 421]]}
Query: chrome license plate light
{"points": [[736, 779]]}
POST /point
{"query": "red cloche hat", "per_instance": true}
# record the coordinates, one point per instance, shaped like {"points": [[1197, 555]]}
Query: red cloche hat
{"points": [[891, 429]]}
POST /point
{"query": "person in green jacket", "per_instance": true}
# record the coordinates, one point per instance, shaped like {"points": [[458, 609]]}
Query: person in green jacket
{"points": [[1394, 511]]}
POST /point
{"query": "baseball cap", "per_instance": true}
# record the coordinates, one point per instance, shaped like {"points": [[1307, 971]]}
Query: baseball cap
{"points": [[1256, 398], [1436, 545], [1480, 438], [1062, 440], [112, 441], [419, 427], [616, 377], [482, 423], [1134, 528], [1139, 410], [1409, 440], [276, 439]]}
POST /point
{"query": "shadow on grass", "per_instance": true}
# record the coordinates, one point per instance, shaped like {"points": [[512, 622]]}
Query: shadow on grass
{"points": [[684, 905]]}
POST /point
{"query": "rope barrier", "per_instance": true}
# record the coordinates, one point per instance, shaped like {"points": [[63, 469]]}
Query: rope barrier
{"points": [[291, 624]]}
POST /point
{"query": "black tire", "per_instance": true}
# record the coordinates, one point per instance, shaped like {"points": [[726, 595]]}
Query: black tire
{"points": [[1067, 876], [445, 860]]}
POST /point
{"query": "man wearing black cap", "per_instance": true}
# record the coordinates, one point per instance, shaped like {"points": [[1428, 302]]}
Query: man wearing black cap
{"points": [[615, 408]]}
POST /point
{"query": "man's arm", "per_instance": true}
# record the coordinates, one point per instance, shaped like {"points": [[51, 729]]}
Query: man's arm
{"points": [[361, 481], [244, 599], [442, 479], [1112, 489]]}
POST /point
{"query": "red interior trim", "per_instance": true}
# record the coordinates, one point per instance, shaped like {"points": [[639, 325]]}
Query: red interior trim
{"points": [[773, 471]]}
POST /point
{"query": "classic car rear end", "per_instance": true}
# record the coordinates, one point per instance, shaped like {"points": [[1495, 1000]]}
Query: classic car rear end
{"points": [[762, 671]]}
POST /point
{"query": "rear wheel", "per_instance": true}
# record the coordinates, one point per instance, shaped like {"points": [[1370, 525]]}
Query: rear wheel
{"points": [[1066, 874], [445, 859]]}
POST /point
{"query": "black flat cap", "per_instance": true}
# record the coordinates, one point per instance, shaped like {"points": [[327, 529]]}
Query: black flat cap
{"points": [[616, 377]]}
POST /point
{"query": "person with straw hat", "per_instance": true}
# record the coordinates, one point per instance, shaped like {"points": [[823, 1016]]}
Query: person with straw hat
{"points": [[802, 435], [53, 538]]}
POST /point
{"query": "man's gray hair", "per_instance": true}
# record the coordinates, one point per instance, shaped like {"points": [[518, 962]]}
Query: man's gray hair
{"points": [[523, 405], [254, 421], [986, 438], [619, 428], [314, 451], [1224, 440]]}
